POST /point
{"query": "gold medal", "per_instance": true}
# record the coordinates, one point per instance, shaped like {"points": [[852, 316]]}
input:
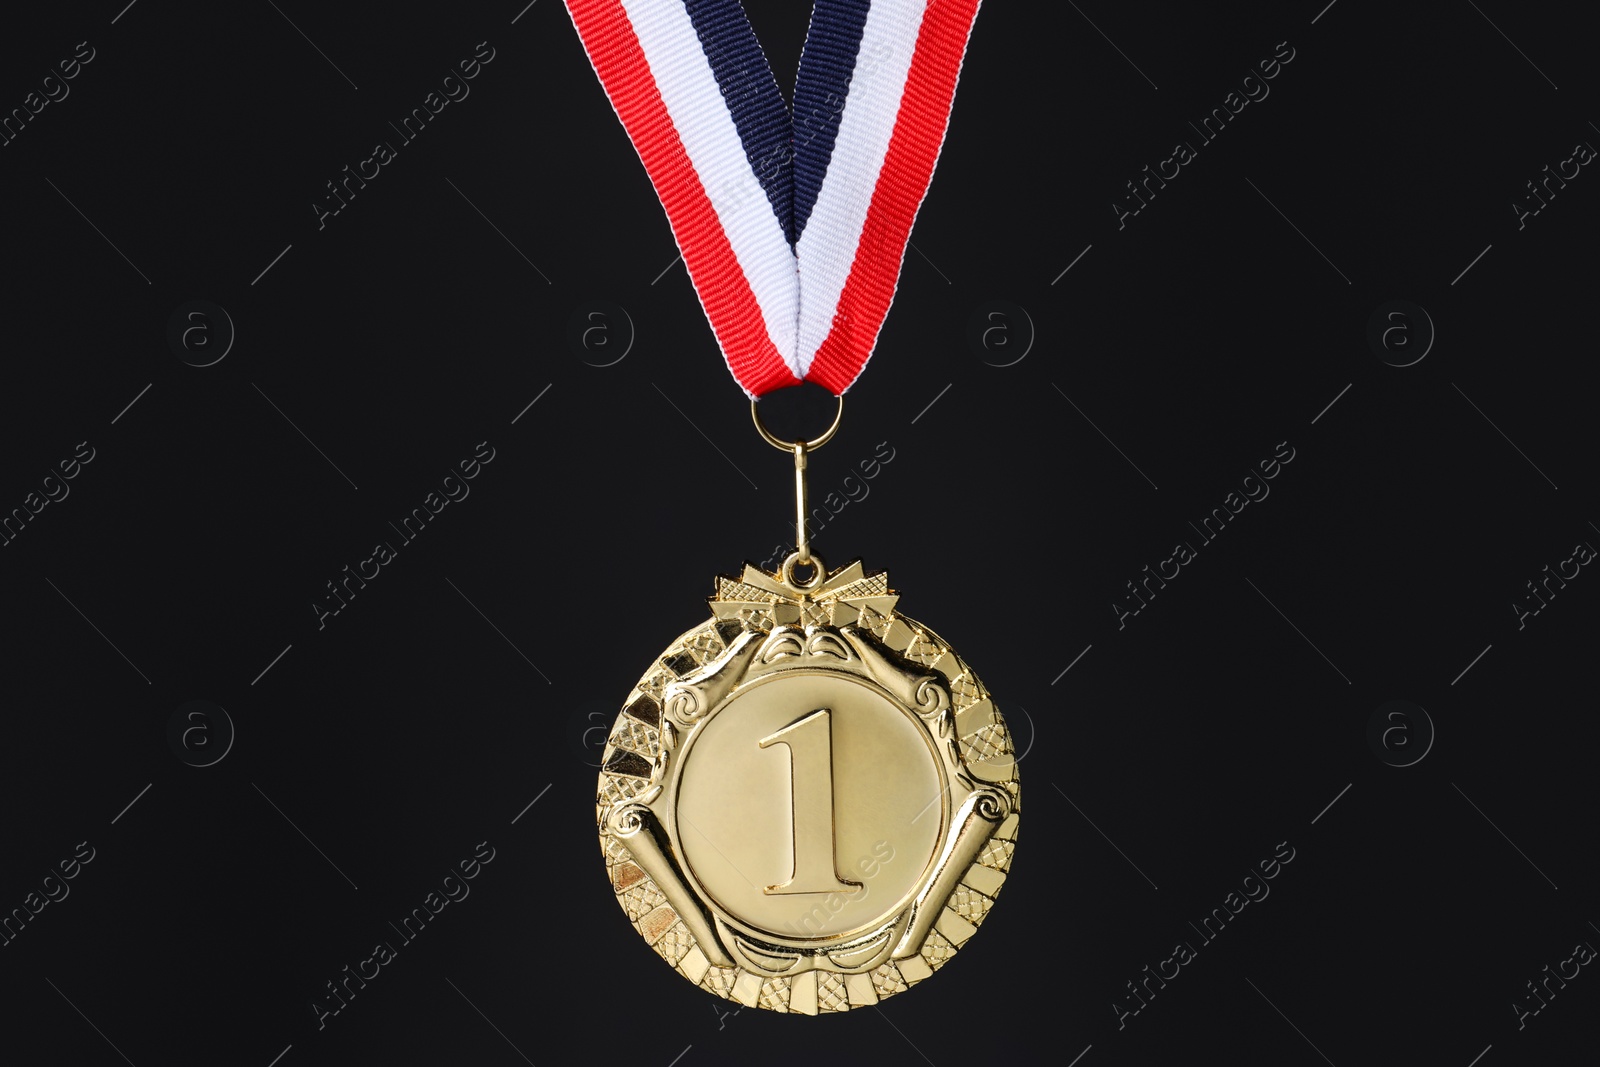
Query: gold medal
{"points": [[809, 802]]}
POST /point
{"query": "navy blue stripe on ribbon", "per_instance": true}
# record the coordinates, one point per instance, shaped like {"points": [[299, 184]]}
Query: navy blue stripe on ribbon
{"points": [[821, 87], [751, 94]]}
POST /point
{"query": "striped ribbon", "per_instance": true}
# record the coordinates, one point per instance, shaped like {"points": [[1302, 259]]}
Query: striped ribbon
{"points": [[793, 225]]}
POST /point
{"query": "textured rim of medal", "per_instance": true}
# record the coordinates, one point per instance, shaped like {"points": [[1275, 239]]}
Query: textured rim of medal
{"points": [[810, 992]]}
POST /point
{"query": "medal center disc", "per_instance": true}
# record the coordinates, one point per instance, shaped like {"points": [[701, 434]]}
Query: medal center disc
{"points": [[809, 805]]}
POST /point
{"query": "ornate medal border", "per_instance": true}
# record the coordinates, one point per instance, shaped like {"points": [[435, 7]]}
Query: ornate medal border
{"points": [[759, 616]]}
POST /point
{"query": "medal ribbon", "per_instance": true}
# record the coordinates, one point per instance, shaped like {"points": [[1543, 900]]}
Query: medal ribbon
{"points": [[793, 226]]}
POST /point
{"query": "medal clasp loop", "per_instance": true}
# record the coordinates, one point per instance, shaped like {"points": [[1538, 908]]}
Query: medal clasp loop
{"points": [[819, 573], [788, 446], [799, 449]]}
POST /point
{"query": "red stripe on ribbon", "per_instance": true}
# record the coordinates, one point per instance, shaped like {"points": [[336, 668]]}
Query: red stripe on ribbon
{"points": [[723, 289], [913, 150]]}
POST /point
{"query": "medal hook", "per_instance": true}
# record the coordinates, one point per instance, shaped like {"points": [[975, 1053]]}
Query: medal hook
{"points": [[802, 538], [801, 557]]}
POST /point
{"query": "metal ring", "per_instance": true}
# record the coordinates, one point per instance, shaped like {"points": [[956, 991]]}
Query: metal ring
{"points": [[788, 446], [819, 572]]}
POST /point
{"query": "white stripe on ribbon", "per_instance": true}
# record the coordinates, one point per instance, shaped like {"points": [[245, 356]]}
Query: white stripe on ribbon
{"points": [[827, 248], [686, 84]]}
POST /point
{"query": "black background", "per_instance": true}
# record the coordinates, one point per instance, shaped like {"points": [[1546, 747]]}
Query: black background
{"points": [[1220, 721]]}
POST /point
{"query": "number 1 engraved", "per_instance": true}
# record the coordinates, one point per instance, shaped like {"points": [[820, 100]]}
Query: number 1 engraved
{"points": [[810, 744]]}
